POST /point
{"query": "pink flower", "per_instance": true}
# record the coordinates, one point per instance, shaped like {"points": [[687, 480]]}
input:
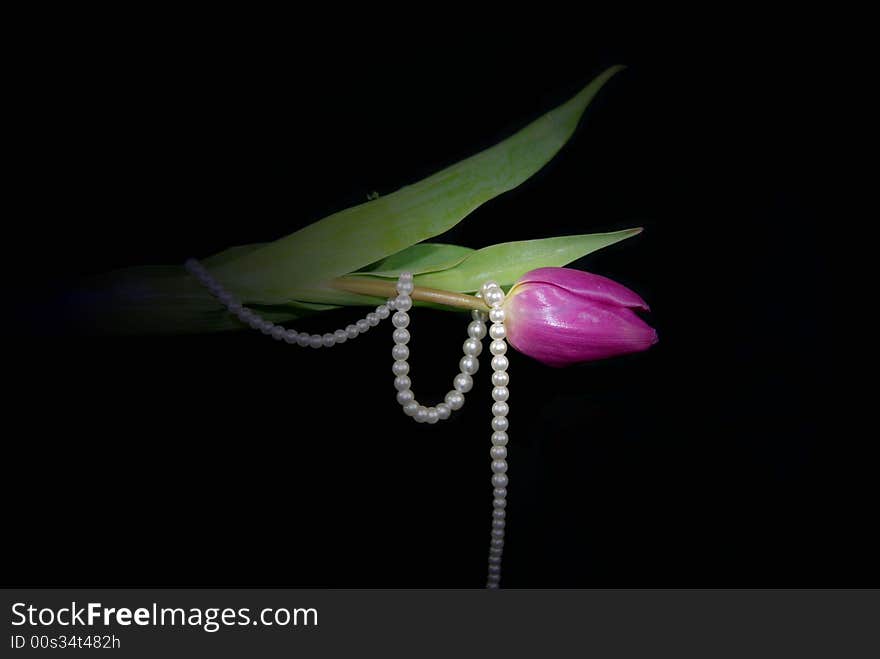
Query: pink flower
{"points": [[562, 316]]}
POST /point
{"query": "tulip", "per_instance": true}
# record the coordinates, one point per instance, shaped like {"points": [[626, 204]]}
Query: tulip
{"points": [[562, 316]]}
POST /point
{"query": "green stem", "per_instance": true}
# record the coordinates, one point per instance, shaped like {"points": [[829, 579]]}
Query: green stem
{"points": [[379, 288]]}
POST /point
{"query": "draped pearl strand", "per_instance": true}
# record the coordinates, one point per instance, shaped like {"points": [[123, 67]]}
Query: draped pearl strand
{"points": [[462, 383]]}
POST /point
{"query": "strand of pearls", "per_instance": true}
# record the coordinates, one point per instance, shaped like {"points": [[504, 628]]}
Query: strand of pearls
{"points": [[494, 297], [303, 339], [468, 365]]}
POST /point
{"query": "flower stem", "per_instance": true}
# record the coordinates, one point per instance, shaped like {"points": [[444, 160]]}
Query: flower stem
{"points": [[379, 288]]}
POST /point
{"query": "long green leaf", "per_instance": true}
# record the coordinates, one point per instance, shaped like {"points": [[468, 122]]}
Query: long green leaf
{"points": [[301, 265], [418, 259]]}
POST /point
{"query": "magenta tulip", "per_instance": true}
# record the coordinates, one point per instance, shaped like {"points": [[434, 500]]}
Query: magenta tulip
{"points": [[562, 316]]}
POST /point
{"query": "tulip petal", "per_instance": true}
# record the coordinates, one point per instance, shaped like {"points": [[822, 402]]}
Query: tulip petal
{"points": [[586, 285]]}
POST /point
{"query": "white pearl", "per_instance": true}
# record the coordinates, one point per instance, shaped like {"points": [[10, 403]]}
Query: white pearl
{"points": [[234, 307], [497, 542], [382, 311], [468, 365], [405, 287], [488, 286], [476, 314], [500, 393], [472, 347], [400, 352], [341, 336], [403, 303], [316, 341], [422, 414], [497, 331], [405, 276], [245, 314], [401, 336], [498, 533], [373, 319], [254, 321], [362, 325], [498, 524], [498, 452], [499, 480], [390, 302], [290, 336], [411, 408], [400, 319], [500, 409], [433, 416], [496, 315], [329, 340], [303, 339], [476, 330], [267, 327], [278, 332], [499, 503], [455, 399], [225, 298], [500, 423], [500, 378], [351, 331], [405, 396], [463, 382], [499, 466], [494, 297], [494, 560], [500, 492], [500, 363], [400, 367], [402, 382], [496, 551], [443, 411], [499, 438]]}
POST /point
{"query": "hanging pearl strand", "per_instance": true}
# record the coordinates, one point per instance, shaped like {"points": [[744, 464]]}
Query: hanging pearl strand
{"points": [[303, 339], [468, 365], [494, 297]]}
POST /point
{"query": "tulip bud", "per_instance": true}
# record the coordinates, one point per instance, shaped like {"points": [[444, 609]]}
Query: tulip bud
{"points": [[562, 316]]}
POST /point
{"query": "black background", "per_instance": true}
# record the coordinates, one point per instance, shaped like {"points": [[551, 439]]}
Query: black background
{"points": [[231, 460]]}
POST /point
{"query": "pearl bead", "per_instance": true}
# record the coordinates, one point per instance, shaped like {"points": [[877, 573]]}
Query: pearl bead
{"points": [[500, 378], [400, 319], [497, 331], [500, 409], [421, 414], [498, 452], [498, 533], [479, 315], [500, 363], [254, 321], [411, 408], [402, 382], [498, 524], [403, 303], [405, 396], [390, 303], [267, 327], [499, 503], [401, 336], [245, 314], [351, 331], [316, 341], [499, 480], [341, 336], [496, 551], [488, 286], [362, 325], [373, 319], [405, 276], [277, 332], [303, 339], [433, 416], [472, 347], [497, 542], [499, 466], [400, 368], [329, 340], [500, 424], [290, 336], [463, 382], [499, 438], [455, 399], [405, 287], [500, 492], [500, 393], [382, 311], [496, 315], [443, 411], [224, 298], [468, 365], [494, 297], [234, 307], [476, 330], [400, 352], [494, 560]]}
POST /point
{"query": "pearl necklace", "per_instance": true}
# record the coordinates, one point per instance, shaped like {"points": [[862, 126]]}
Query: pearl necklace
{"points": [[462, 383]]}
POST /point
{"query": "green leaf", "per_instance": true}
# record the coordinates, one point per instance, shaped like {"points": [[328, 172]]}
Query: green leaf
{"points": [[507, 262], [230, 254], [418, 259], [300, 266]]}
